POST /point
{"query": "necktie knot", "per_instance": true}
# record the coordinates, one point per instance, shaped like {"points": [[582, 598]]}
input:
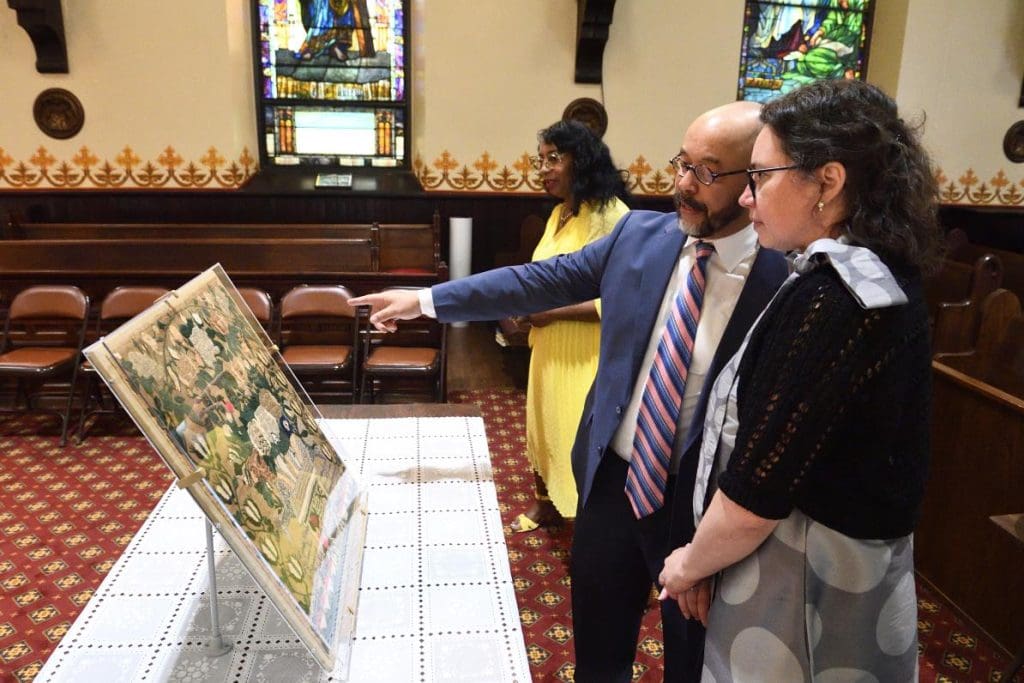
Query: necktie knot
{"points": [[704, 250]]}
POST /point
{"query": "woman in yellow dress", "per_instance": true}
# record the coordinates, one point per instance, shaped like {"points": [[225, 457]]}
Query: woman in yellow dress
{"points": [[575, 167]]}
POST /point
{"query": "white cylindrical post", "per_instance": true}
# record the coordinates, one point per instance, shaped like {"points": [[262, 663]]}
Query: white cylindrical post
{"points": [[460, 249]]}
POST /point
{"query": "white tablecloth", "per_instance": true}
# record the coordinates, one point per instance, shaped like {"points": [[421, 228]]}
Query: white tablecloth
{"points": [[436, 601]]}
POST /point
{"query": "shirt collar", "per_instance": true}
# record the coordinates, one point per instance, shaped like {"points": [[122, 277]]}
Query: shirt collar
{"points": [[731, 250]]}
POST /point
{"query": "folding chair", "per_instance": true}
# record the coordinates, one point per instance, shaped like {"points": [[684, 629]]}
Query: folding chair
{"points": [[411, 360], [260, 304], [42, 343], [121, 304], [318, 333]]}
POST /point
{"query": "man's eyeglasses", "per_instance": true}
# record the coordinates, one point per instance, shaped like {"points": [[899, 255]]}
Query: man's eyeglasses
{"points": [[549, 160], [753, 173], [703, 174]]}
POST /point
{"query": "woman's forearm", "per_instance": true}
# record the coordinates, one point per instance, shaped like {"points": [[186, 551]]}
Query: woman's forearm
{"points": [[727, 533], [582, 312]]}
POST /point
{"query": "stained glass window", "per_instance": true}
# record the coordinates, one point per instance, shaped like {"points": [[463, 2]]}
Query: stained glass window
{"points": [[787, 43], [331, 82]]}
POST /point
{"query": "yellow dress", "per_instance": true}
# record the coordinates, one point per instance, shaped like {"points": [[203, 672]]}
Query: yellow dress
{"points": [[563, 363]]}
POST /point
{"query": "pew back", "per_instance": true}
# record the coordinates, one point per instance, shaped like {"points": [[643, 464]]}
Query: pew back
{"points": [[955, 295], [977, 470]]}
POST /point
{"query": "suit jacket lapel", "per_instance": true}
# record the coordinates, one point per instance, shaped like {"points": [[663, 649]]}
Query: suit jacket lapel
{"points": [[656, 269]]}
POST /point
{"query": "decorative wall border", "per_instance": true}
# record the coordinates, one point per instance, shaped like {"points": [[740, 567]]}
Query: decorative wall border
{"points": [[485, 174], [85, 171], [969, 189], [446, 173]]}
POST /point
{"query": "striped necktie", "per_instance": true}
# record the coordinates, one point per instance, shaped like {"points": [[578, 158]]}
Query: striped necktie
{"points": [[663, 393]]}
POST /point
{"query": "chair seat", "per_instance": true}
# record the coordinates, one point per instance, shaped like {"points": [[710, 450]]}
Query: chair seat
{"points": [[317, 358], [37, 360], [403, 359]]}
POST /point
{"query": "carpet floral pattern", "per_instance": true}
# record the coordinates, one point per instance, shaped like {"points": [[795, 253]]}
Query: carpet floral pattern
{"points": [[67, 514]]}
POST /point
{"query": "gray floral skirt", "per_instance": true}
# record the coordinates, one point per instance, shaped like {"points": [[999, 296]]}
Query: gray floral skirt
{"points": [[811, 604]]}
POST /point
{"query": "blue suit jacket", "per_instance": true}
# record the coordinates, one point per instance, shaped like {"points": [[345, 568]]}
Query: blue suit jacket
{"points": [[629, 270]]}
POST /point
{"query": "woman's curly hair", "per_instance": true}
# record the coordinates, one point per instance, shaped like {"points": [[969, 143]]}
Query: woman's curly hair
{"points": [[891, 191], [594, 176]]}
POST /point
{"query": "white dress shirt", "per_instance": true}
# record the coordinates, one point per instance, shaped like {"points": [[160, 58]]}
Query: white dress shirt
{"points": [[727, 271]]}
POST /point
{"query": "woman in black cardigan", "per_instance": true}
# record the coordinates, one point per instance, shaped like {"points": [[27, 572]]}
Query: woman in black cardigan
{"points": [[816, 437]]}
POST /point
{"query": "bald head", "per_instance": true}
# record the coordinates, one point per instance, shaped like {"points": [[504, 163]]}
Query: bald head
{"points": [[729, 131]]}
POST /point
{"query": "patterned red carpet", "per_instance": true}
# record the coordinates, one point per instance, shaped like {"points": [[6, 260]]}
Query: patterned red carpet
{"points": [[66, 515]]}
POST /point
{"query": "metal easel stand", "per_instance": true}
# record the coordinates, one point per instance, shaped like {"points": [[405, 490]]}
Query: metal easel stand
{"points": [[216, 646]]}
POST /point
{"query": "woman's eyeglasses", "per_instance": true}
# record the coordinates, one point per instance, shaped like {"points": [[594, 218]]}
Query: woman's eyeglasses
{"points": [[753, 173], [549, 160]]}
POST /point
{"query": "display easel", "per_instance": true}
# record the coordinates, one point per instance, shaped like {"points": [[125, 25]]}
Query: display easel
{"points": [[216, 646]]}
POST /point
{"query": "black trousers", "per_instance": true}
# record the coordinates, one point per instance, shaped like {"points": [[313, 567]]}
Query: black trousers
{"points": [[615, 560]]}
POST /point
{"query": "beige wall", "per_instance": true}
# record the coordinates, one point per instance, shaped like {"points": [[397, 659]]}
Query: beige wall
{"points": [[962, 66], [170, 82], [492, 78], [486, 76]]}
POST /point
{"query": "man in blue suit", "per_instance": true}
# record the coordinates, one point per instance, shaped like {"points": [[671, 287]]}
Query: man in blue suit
{"points": [[617, 553]]}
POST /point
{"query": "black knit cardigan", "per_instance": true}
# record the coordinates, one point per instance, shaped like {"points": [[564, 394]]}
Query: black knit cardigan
{"points": [[834, 408]]}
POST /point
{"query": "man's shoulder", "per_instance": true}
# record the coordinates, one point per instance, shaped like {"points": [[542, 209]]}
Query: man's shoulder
{"points": [[647, 217], [647, 222]]}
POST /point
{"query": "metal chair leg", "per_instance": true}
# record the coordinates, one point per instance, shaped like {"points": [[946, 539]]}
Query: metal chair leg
{"points": [[90, 383], [67, 410]]}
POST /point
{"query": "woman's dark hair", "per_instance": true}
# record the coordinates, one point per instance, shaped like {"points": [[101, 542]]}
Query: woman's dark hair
{"points": [[594, 176], [891, 192]]}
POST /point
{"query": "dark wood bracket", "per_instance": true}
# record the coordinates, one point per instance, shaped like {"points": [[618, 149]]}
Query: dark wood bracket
{"points": [[43, 21], [593, 19]]}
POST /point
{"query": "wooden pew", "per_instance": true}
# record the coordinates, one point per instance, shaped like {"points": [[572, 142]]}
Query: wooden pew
{"points": [[955, 295], [147, 231], [182, 256], [977, 470], [401, 248], [275, 265], [1012, 262]]}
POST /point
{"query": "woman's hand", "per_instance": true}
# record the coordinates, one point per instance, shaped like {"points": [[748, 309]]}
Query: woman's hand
{"points": [[540, 319], [673, 577], [693, 594], [695, 603], [522, 323]]}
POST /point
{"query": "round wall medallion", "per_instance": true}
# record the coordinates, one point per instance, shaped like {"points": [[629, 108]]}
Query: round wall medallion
{"points": [[1013, 143], [589, 112], [58, 113]]}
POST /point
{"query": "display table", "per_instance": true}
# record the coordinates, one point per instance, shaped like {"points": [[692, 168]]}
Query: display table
{"points": [[436, 601]]}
